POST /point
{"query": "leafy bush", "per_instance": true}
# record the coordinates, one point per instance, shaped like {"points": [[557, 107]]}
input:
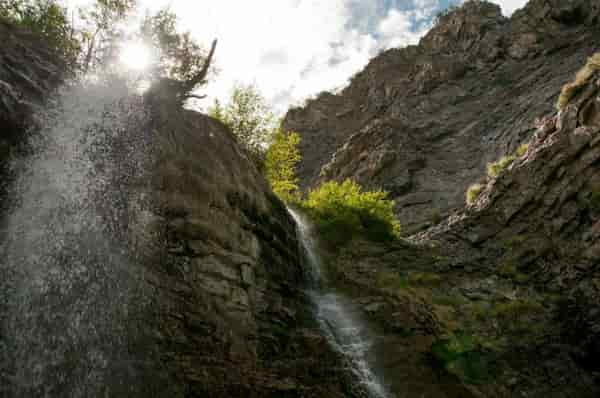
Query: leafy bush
{"points": [[582, 77], [522, 150], [473, 193], [280, 165], [343, 211], [494, 169]]}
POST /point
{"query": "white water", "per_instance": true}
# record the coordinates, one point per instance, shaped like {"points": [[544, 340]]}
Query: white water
{"points": [[338, 318], [68, 281]]}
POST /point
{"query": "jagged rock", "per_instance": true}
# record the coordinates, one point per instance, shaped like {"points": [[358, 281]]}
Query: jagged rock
{"points": [[422, 122], [516, 272], [228, 285]]}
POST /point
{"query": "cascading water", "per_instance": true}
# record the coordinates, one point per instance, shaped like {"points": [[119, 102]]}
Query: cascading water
{"points": [[339, 320], [70, 284]]}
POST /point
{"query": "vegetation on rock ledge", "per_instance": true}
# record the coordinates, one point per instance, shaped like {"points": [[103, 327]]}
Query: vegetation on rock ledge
{"points": [[582, 77], [344, 210]]}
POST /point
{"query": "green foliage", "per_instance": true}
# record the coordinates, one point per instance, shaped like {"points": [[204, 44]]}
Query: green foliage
{"points": [[473, 193], [280, 165], [522, 149], [343, 211], [101, 30], [462, 356], [582, 77], [179, 56], [249, 118], [391, 280], [425, 278], [494, 169], [516, 309], [47, 18]]}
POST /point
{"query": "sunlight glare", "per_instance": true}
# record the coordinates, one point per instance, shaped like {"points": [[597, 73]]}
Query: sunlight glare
{"points": [[136, 56]]}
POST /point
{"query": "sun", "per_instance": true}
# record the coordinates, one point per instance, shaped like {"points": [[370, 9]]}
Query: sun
{"points": [[136, 56]]}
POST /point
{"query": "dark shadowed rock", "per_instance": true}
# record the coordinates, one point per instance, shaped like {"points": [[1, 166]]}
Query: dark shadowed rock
{"points": [[423, 121]]}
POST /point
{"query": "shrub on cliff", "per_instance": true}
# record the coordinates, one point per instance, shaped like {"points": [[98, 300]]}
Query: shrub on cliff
{"points": [[280, 165], [473, 193], [343, 211], [582, 77], [494, 169]]}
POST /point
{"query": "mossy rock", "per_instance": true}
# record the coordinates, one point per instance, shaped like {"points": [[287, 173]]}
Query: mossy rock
{"points": [[462, 356]]}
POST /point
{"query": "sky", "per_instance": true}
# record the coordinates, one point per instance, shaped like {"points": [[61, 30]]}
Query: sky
{"points": [[292, 50]]}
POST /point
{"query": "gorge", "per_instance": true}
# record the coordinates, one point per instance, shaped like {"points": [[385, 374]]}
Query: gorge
{"points": [[144, 254]]}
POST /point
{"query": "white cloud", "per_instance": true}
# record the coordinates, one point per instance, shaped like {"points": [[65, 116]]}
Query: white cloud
{"points": [[292, 49]]}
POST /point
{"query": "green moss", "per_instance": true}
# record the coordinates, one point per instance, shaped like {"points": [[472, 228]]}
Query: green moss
{"points": [[516, 308], [425, 278], [436, 217], [391, 280], [508, 270], [473, 193], [496, 168], [461, 355], [449, 301], [515, 240]]}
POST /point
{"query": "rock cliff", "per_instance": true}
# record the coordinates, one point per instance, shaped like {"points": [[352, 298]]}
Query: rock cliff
{"points": [[228, 286], [422, 122], [504, 294]]}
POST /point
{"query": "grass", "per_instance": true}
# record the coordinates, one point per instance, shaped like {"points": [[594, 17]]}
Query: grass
{"points": [[425, 278], [473, 193], [496, 168], [583, 76], [522, 149]]}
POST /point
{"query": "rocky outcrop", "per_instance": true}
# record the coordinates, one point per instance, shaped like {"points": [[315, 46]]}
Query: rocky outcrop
{"points": [[423, 121], [505, 294], [234, 321]]}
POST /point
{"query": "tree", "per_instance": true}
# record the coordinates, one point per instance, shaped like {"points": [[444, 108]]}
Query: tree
{"points": [[47, 18], [180, 59], [249, 117], [280, 164], [101, 31]]}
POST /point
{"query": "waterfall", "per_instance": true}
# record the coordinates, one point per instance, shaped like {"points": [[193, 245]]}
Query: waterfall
{"points": [[70, 283], [338, 318]]}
